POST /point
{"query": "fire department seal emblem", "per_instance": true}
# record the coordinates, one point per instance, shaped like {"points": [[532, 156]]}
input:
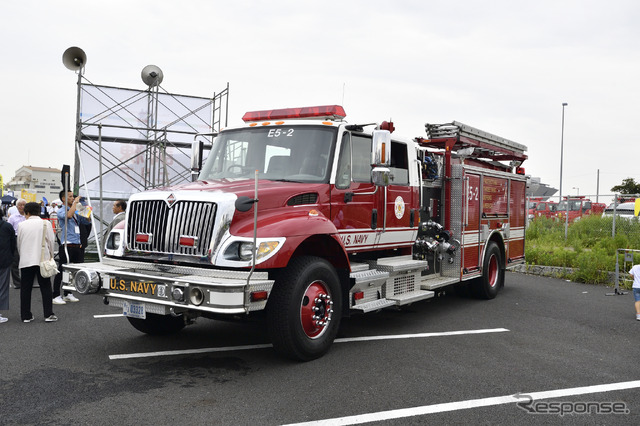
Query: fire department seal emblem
{"points": [[399, 207]]}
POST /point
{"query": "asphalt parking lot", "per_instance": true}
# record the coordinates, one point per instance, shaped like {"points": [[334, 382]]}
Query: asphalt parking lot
{"points": [[544, 351]]}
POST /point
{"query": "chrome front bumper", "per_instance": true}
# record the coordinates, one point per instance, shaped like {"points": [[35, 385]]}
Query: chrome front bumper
{"points": [[177, 288]]}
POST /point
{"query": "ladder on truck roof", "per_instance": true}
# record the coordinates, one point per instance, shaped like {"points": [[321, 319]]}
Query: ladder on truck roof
{"points": [[462, 136]]}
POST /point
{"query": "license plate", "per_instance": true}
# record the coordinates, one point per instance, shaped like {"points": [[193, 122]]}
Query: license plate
{"points": [[144, 288], [134, 310]]}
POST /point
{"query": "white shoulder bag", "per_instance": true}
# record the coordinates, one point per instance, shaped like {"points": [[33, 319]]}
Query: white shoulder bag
{"points": [[48, 268]]}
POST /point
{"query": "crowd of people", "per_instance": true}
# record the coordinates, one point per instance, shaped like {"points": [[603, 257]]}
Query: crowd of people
{"points": [[27, 237]]}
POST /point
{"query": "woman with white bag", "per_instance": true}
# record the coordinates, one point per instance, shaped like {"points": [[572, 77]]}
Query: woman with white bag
{"points": [[35, 245]]}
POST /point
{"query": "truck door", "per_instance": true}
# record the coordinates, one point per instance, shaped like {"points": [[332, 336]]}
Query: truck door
{"points": [[471, 222], [401, 217], [353, 194]]}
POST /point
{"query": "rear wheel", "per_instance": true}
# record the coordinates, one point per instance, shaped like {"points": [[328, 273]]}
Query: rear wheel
{"points": [[492, 279], [158, 325], [304, 309]]}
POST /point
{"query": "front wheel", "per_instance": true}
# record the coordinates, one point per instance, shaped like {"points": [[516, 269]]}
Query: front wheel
{"points": [[158, 325], [492, 279], [304, 309]]}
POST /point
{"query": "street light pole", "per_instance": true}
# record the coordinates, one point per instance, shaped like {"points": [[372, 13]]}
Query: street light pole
{"points": [[564, 104]]}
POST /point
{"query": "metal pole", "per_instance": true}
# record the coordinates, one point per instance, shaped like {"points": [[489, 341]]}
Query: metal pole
{"points": [[255, 228], [566, 221], [99, 242], [564, 104], [598, 185], [76, 164], [615, 206]]}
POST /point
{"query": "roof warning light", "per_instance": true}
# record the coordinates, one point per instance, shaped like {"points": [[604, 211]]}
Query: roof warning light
{"points": [[325, 112]]}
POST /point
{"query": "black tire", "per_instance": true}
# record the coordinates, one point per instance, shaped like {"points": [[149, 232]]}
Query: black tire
{"points": [[492, 279], [300, 288], [158, 325]]}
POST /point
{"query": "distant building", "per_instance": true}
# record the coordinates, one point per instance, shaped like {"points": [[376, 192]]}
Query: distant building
{"points": [[535, 188], [42, 181]]}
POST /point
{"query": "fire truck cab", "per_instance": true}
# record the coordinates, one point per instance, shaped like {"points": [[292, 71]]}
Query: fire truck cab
{"points": [[542, 208], [308, 218], [577, 206]]}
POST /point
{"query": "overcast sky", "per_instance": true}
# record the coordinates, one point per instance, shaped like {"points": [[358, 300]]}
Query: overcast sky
{"points": [[502, 66]]}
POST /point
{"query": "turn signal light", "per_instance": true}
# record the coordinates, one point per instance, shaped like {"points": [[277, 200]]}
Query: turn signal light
{"points": [[143, 238], [186, 241]]}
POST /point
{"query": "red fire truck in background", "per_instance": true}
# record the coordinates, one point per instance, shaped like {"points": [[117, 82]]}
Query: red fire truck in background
{"points": [[538, 207], [577, 206], [302, 219]]}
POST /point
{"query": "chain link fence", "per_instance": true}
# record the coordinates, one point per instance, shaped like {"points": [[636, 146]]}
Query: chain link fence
{"points": [[620, 214]]}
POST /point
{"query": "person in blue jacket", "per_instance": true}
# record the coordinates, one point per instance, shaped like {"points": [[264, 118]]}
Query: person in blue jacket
{"points": [[70, 243]]}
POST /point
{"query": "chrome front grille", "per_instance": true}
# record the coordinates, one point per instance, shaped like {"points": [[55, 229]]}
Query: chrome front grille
{"points": [[165, 227]]}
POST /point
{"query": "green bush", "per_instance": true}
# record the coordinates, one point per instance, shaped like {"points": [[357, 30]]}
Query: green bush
{"points": [[592, 267]]}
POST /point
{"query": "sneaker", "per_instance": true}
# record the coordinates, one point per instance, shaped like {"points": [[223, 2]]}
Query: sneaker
{"points": [[638, 317], [28, 320], [71, 298], [58, 301], [3, 319], [51, 318]]}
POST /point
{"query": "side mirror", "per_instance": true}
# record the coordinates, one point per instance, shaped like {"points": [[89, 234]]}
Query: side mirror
{"points": [[381, 176], [197, 148], [381, 148]]}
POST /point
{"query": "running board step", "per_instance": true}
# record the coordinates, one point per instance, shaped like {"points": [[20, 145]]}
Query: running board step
{"points": [[433, 282], [375, 305], [401, 264], [369, 276], [410, 297]]}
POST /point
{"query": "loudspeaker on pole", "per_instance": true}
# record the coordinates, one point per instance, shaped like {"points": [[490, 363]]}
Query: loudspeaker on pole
{"points": [[152, 75], [74, 58]]}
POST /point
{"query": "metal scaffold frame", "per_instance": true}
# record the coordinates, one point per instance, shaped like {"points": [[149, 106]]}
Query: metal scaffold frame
{"points": [[130, 140]]}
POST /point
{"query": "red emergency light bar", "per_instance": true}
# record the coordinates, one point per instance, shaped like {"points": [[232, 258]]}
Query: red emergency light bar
{"points": [[325, 111]]}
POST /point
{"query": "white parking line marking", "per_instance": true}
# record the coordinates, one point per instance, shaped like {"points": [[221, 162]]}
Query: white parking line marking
{"points": [[472, 403], [419, 335], [344, 340], [188, 351], [108, 316]]}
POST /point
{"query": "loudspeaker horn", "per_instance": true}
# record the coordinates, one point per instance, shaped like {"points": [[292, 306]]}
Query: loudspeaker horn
{"points": [[152, 75], [74, 58]]}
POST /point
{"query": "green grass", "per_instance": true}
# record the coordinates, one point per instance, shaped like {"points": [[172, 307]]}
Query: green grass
{"points": [[590, 249]]}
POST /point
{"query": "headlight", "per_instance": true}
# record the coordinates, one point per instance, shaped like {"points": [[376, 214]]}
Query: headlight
{"points": [[245, 250]]}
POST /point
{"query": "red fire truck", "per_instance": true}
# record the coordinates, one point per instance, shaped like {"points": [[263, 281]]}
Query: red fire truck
{"points": [[301, 218], [577, 206], [538, 207]]}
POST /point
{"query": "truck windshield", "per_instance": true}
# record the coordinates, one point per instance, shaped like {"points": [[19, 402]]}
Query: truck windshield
{"points": [[289, 153], [574, 206]]}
